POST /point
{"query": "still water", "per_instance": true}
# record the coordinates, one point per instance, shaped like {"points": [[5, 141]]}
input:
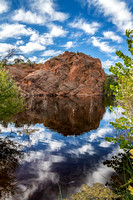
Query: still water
{"points": [[56, 144]]}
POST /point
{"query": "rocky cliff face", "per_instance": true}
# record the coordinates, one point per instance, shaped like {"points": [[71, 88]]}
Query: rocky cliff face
{"points": [[69, 74]]}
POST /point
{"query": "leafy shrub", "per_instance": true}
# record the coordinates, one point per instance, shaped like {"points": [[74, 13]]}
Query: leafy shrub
{"points": [[123, 92], [11, 101]]}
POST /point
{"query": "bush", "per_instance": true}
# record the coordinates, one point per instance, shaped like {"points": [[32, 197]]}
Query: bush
{"points": [[123, 92], [110, 80], [11, 101]]}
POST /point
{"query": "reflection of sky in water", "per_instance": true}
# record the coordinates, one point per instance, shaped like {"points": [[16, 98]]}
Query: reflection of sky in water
{"points": [[51, 158]]}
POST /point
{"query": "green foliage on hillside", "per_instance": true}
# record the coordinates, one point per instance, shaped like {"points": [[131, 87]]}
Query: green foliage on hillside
{"points": [[11, 102]]}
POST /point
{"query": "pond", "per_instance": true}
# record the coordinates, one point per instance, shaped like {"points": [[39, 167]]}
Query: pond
{"points": [[56, 144]]}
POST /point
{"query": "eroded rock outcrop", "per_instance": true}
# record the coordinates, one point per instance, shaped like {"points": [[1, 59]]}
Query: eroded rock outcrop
{"points": [[65, 75]]}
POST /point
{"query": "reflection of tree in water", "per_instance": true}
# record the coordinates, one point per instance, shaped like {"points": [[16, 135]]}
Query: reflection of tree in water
{"points": [[123, 167], [10, 156]]}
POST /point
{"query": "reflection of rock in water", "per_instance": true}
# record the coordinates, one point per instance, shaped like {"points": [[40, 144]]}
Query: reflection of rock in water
{"points": [[9, 162], [69, 116]]}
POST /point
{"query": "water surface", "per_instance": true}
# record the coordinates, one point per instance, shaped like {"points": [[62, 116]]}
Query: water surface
{"points": [[57, 143]]}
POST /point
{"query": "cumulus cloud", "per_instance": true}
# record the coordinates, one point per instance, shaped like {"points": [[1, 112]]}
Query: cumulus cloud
{"points": [[69, 45], [111, 35], [107, 64], [27, 17], [4, 47], [14, 31], [19, 42], [117, 11], [50, 53], [103, 46], [57, 31], [4, 6], [31, 47], [44, 39], [47, 7], [47, 38], [43, 11], [89, 28], [33, 58]]}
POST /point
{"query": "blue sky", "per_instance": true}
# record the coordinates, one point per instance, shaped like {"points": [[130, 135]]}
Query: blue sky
{"points": [[42, 29]]}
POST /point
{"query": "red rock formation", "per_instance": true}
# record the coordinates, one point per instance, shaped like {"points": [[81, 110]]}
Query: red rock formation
{"points": [[65, 75]]}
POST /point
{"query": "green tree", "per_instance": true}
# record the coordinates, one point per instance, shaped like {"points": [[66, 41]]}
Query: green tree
{"points": [[18, 61], [123, 92], [30, 63], [11, 101], [110, 80]]}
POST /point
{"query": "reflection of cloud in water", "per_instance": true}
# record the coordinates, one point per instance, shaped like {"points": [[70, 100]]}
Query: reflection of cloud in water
{"points": [[100, 133], [109, 115], [102, 173], [55, 145], [52, 158], [37, 173], [88, 148], [105, 144]]}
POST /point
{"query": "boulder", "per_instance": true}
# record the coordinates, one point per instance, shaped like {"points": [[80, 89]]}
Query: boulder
{"points": [[69, 74]]}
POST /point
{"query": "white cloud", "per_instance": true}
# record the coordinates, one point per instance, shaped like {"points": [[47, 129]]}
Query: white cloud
{"points": [[28, 17], [47, 8], [44, 39], [42, 60], [33, 58], [11, 59], [4, 47], [76, 35], [14, 30], [107, 64], [114, 57], [86, 27], [43, 11], [50, 53], [103, 46], [117, 11], [111, 35], [36, 41], [57, 31], [4, 6], [69, 45], [32, 46], [19, 42]]}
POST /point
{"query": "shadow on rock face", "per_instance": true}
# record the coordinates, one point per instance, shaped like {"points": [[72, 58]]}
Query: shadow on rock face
{"points": [[69, 116]]}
